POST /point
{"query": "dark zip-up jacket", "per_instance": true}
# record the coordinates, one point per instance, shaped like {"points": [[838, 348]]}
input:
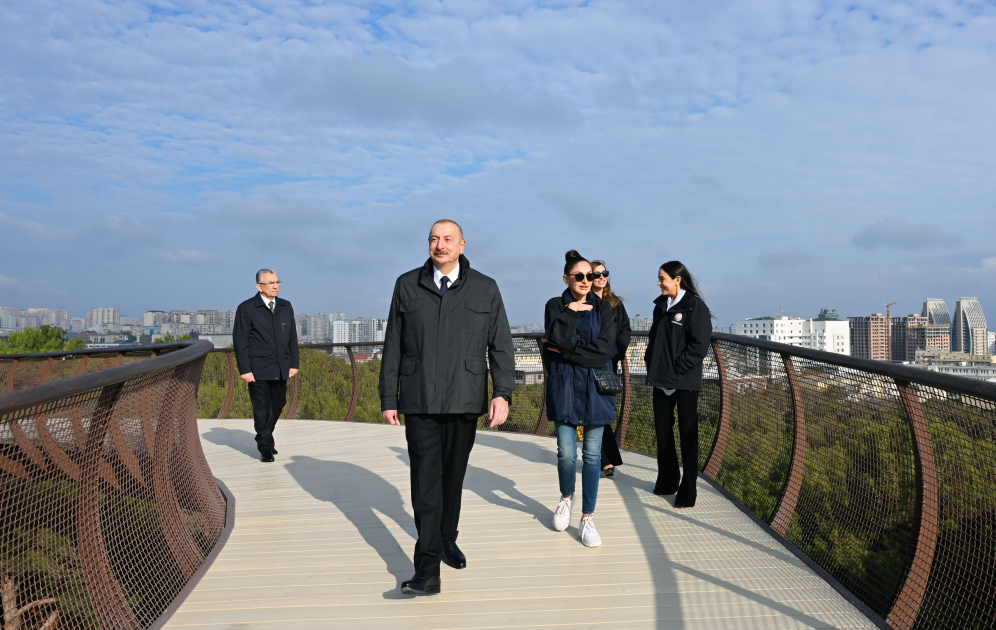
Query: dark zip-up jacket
{"points": [[265, 343], [678, 343], [586, 343], [435, 345], [624, 334]]}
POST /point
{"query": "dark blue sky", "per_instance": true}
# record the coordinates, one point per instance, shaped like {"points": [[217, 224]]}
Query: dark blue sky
{"points": [[793, 154]]}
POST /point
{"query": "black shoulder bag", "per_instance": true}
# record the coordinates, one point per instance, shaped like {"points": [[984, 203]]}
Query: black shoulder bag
{"points": [[607, 382]]}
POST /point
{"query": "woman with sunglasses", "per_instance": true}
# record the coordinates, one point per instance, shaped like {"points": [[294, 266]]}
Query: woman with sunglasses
{"points": [[580, 342], [600, 286], [678, 343]]}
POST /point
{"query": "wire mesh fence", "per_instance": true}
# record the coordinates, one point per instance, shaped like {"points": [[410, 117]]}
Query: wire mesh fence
{"points": [[107, 505]]}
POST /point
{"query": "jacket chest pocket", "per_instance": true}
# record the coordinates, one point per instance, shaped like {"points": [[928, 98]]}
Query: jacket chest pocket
{"points": [[412, 317], [475, 319]]}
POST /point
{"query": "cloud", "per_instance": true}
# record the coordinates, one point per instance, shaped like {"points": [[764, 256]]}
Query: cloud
{"points": [[7, 281], [902, 234], [382, 89], [187, 256], [785, 261]]}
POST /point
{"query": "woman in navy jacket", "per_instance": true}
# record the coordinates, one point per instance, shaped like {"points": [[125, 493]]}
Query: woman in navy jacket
{"points": [[678, 343], [581, 340]]}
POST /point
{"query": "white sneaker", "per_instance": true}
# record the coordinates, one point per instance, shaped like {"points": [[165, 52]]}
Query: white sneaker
{"points": [[562, 515], [589, 535]]}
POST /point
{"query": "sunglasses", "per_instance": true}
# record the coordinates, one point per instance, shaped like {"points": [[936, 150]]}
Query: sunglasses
{"points": [[578, 277]]}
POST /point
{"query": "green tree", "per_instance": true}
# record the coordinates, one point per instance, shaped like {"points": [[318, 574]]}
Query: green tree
{"points": [[42, 339], [76, 343], [172, 339]]}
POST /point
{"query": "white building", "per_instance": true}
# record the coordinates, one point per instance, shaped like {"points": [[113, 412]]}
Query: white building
{"points": [[104, 319], [828, 335], [640, 323], [340, 331], [991, 341]]}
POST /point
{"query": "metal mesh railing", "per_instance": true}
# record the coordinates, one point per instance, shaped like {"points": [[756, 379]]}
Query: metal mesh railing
{"points": [[108, 508], [883, 476]]}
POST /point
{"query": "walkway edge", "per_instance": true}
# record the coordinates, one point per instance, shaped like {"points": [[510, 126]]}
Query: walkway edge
{"points": [[862, 607], [208, 561]]}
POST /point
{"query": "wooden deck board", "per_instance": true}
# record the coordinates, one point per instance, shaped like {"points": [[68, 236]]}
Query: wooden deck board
{"points": [[324, 535]]}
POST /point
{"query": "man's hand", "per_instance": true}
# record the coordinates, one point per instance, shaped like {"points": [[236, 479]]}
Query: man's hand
{"points": [[293, 372], [579, 306], [248, 377], [498, 413], [391, 415]]}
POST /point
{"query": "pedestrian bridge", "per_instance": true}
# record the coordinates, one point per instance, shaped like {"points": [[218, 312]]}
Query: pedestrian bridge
{"points": [[834, 492], [324, 536]]}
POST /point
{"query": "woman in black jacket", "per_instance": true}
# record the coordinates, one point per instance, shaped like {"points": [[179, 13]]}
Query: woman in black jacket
{"points": [[678, 343], [581, 340], [600, 286]]}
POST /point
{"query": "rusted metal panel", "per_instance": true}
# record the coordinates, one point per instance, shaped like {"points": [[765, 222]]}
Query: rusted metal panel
{"points": [[226, 406], [10, 375], [354, 397], [723, 427], [627, 403], [542, 421]]}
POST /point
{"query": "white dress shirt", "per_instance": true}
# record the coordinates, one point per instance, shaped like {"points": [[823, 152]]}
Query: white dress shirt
{"points": [[437, 277], [267, 301], [670, 303]]}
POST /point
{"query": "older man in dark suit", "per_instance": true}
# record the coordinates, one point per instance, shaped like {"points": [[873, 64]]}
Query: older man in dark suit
{"points": [[265, 340], [447, 324]]}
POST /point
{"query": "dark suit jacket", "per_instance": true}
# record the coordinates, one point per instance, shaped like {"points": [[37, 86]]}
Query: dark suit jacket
{"points": [[265, 343]]}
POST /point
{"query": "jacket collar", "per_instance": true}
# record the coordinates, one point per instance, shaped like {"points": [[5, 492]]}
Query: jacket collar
{"points": [[425, 275], [278, 302], [683, 306]]}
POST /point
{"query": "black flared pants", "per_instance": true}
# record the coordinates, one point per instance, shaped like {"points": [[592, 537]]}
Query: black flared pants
{"points": [[268, 399]]}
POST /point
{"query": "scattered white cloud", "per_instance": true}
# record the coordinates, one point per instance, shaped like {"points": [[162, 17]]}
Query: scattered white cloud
{"points": [[902, 234], [7, 281]]}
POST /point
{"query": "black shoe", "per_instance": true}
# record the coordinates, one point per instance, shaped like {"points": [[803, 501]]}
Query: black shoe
{"points": [[421, 584], [452, 556], [266, 456], [611, 470], [686, 498], [662, 491], [274, 451]]}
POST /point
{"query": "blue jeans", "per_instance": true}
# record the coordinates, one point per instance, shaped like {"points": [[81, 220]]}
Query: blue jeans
{"points": [[567, 462]]}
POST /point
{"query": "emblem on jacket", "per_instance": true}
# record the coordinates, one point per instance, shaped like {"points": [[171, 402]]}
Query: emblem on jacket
{"points": [[677, 317]]}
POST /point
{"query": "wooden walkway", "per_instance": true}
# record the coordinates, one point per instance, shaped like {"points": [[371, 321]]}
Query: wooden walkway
{"points": [[323, 537]]}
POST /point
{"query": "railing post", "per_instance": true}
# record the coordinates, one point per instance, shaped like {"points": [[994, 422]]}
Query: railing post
{"points": [[719, 443], [10, 375], [541, 421], [793, 484], [627, 403], [43, 377], [907, 605], [226, 406], [109, 602], [354, 399]]}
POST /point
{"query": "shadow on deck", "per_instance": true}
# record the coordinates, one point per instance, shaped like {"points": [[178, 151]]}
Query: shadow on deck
{"points": [[323, 538]]}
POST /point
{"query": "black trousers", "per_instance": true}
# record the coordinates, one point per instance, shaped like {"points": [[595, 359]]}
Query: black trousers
{"points": [[687, 403], [610, 450], [439, 448], [268, 400]]}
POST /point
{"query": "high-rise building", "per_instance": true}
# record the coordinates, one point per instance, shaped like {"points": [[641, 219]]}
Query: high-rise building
{"points": [[936, 312], [870, 337], [969, 330], [640, 323], [913, 332], [828, 335], [104, 319], [828, 313], [991, 340], [340, 331]]}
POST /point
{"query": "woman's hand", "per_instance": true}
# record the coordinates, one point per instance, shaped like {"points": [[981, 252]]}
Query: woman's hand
{"points": [[579, 306]]}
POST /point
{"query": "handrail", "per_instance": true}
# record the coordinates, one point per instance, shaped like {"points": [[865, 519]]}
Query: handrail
{"points": [[155, 347], [110, 512]]}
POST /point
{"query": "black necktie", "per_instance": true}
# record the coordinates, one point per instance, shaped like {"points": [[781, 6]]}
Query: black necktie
{"points": [[443, 284], [272, 305]]}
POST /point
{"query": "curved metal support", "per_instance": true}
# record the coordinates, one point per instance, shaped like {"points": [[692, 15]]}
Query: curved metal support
{"points": [[10, 376], [292, 403], [907, 605], [43, 377], [542, 421], [627, 403], [793, 483], [354, 399], [226, 406], [109, 602], [722, 438]]}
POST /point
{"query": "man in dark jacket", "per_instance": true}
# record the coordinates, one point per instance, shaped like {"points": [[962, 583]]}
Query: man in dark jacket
{"points": [[445, 320], [265, 340]]}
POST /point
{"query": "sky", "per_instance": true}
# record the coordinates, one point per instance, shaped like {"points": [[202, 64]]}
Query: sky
{"points": [[793, 155]]}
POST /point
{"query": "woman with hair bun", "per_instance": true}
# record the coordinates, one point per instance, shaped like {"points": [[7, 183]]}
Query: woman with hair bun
{"points": [[678, 343], [580, 342], [611, 457]]}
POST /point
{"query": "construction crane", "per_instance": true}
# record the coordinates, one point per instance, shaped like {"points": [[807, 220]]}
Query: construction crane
{"points": [[888, 310]]}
